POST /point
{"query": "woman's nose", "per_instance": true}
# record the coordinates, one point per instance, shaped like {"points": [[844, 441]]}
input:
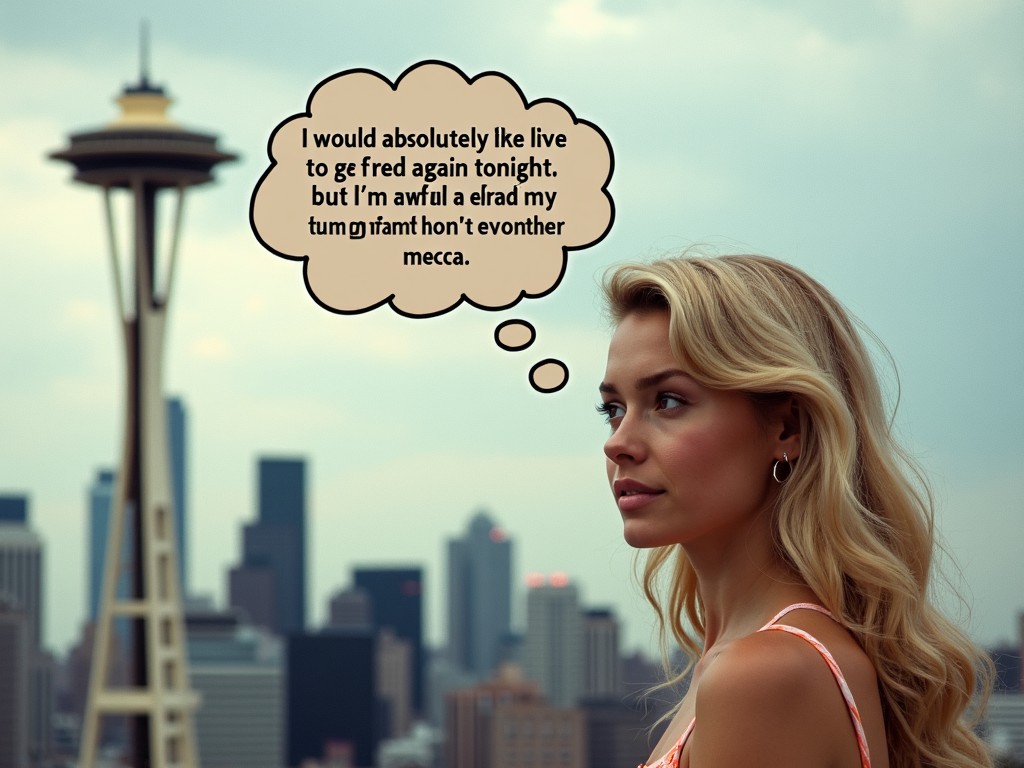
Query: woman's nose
{"points": [[626, 443]]}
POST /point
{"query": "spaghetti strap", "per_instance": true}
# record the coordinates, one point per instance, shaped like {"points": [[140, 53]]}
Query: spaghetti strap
{"points": [[844, 688], [799, 607], [671, 758]]}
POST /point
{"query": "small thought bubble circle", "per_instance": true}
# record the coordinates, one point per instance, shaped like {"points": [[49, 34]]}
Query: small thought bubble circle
{"points": [[431, 191], [549, 376], [514, 335]]}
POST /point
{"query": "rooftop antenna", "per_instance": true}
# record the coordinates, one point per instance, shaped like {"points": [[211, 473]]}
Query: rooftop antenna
{"points": [[144, 85], [144, 54]]}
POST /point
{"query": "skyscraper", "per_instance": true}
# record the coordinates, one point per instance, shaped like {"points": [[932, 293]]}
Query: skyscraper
{"points": [[270, 582], [479, 596], [330, 698], [14, 685], [239, 673], [396, 599], [505, 722], [349, 609], [101, 499], [177, 441], [21, 564], [554, 639], [21, 591], [394, 683], [13, 509], [602, 676]]}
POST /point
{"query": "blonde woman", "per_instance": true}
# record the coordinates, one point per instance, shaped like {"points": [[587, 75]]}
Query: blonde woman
{"points": [[788, 548]]}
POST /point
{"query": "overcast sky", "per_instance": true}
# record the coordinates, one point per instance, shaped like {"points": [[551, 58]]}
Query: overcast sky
{"points": [[878, 145]]}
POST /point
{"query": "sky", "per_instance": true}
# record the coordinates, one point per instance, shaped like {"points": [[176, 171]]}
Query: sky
{"points": [[877, 145]]}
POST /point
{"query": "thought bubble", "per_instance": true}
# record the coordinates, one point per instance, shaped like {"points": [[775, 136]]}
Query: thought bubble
{"points": [[514, 335], [549, 376], [431, 191]]}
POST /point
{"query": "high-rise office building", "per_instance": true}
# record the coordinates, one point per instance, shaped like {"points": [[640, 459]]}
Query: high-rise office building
{"points": [[554, 648], [177, 442], [505, 722], [21, 589], [14, 685], [396, 599], [618, 732], [252, 589], [101, 499], [479, 596], [330, 698], [602, 676], [239, 673], [349, 609], [21, 564], [270, 582], [1007, 662], [102, 492], [1004, 727], [13, 509], [394, 683]]}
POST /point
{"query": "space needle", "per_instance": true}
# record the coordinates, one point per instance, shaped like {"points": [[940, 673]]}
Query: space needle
{"points": [[143, 154]]}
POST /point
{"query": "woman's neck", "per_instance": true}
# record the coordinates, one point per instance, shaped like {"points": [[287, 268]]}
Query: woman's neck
{"points": [[742, 582]]}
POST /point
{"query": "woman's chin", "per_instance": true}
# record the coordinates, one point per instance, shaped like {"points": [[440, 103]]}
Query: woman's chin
{"points": [[637, 537]]}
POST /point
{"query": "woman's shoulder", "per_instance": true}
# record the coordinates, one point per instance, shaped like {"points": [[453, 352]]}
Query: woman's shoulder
{"points": [[757, 671], [769, 698]]}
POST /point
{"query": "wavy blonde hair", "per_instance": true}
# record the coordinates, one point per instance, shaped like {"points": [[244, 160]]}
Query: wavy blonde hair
{"points": [[855, 519]]}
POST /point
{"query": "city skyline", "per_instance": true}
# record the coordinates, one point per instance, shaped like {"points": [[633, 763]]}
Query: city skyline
{"points": [[874, 147], [569, 665]]}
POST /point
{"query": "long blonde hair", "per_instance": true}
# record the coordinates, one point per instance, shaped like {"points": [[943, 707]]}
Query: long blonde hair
{"points": [[855, 519]]}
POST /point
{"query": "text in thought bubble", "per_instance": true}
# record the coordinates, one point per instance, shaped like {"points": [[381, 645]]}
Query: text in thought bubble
{"points": [[431, 191]]}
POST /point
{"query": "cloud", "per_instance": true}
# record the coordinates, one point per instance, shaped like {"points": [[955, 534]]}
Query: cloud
{"points": [[210, 348], [586, 20], [82, 312]]}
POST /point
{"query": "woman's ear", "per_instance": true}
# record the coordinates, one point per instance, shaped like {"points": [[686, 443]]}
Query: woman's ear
{"points": [[787, 424]]}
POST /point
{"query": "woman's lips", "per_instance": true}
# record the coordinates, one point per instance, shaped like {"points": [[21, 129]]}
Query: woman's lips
{"points": [[631, 495]]}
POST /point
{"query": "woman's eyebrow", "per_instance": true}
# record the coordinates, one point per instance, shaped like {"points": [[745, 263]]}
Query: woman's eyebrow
{"points": [[645, 382], [655, 379]]}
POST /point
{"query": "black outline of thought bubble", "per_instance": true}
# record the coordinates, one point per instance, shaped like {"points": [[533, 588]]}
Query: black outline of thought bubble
{"points": [[394, 87], [509, 347], [557, 387]]}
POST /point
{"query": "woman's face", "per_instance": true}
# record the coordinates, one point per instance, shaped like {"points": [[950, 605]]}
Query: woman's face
{"points": [[684, 462]]}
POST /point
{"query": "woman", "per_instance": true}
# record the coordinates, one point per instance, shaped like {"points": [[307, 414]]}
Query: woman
{"points": [[751, 456]]}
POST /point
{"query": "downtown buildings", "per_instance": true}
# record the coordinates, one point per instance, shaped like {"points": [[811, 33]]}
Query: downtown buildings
{"points": [[289, 699], [551, 696]]}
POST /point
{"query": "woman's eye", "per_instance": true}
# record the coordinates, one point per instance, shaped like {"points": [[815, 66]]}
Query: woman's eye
{"points": [[668, 402], [611, 411]]}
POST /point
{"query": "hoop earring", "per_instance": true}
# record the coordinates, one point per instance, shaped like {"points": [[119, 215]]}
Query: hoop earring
{"points": [[786, 472]]}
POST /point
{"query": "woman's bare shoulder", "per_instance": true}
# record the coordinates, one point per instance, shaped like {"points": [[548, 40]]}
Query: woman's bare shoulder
{"points": [[768, 699]]}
